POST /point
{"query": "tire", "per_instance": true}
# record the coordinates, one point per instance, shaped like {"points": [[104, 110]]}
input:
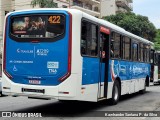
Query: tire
{"points": [[1, 94], [14, 95], [115, 93]]}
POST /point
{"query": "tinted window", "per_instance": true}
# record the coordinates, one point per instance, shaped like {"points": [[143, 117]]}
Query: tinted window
{"points": [[126, 48], [38, 26], [141, 52], [89, 39], [115, 45], [134, 51], [146, 53]]}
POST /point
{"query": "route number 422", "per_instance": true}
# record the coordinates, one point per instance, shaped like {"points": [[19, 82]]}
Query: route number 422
{"points": [[54, 19]]}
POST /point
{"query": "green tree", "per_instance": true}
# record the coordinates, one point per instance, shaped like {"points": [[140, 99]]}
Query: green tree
{"points": [[44, 3], [136, 24], [157, 40]]}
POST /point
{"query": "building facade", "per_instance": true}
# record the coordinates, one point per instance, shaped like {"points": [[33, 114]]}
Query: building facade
{"points": [[112, 7], [97, 8]]}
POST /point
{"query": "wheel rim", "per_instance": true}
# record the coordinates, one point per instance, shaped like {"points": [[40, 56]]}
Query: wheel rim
{"points": [[115, 93]]}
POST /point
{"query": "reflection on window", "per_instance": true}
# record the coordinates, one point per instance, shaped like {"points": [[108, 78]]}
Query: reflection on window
{"points": [[153, 56], [135, 51], [141, 52], [46, 26], [146, 53], [115, 45], [89, 39], [126, 48]]}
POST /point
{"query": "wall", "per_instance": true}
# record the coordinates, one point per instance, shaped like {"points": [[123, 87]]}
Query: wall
{"points": [[108, 7]]}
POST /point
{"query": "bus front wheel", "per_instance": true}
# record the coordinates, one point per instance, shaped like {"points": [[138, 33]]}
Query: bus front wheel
{"points": [[115, 93]]}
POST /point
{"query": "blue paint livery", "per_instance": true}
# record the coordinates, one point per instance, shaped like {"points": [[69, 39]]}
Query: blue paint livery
{"points": [[126, 70], [25, 62], [90, 70]]}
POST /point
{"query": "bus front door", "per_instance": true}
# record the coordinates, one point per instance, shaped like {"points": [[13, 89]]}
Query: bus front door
{"points": [[104, 62]]}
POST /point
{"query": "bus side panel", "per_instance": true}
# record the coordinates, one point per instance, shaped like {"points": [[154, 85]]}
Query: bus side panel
{"points": [[155, 74], [131, 74], [90, 77], [90, 71], [5, 83]]}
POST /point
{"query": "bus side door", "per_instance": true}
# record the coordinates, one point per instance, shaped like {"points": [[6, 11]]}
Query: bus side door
{"points": [[104, 62]]}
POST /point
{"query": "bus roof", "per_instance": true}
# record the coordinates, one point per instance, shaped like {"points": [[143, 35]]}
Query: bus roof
{"points": [[97, 20], [117, 28]]}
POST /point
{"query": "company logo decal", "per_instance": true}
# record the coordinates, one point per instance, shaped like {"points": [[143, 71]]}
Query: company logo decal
{"points": [[42, 52], [52, 67], [25, 51]]}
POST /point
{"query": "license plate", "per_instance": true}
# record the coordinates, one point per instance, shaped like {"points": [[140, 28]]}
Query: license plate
{"points": [[34, 81]]}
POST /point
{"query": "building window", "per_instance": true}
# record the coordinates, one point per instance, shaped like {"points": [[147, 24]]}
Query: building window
{"points": [[56, 5], [64, 6], [89, 37], [96, 9], [77, 3], [6, 12]]}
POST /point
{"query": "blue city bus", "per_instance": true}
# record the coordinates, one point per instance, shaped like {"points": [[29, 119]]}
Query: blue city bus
{"points": [[66, 54]]}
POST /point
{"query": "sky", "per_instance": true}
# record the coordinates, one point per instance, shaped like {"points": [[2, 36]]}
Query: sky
{"points": [[149, 8]]}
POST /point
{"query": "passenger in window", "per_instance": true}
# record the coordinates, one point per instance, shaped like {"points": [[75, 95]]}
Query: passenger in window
{"points": [[112, 54], [27, 23], [112, 48]]}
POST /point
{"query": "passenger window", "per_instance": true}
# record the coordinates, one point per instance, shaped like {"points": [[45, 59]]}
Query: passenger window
{"points": [[141, 52], [89, 37], [115, 45], [146, 53], [126, 48], [38, 26], [152, 56], [134, 51]]}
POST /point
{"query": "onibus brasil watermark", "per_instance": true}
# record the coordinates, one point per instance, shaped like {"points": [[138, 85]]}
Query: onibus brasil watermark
{"points": [[21, 115]]}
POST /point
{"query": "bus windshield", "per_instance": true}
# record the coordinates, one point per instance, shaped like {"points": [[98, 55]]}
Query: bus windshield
{"points": [[37, 26]]}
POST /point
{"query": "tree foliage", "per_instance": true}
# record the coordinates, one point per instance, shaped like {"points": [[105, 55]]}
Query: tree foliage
{"points": [[44, 3], [157, 40], [136, 24]]}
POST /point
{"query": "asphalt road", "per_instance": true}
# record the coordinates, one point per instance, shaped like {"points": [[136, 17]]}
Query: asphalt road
{"points": [[53, 109]]}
